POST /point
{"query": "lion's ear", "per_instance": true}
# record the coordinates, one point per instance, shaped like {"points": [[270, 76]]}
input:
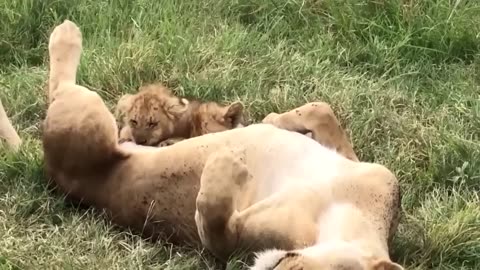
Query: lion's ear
{"points": [[234, 113], [386, 265], [176, 107]]}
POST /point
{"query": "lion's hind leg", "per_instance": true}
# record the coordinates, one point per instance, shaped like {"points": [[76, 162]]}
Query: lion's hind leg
{"points": [[79, 131], [229, 218], [223, 178]]}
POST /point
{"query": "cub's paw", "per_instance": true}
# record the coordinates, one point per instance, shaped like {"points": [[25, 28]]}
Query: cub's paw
{"points": [[169, 142], [123, 140]]}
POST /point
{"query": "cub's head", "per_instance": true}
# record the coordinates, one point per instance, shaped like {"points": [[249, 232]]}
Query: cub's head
{"points": [[320, 259], [151, 114], [212, 117]]}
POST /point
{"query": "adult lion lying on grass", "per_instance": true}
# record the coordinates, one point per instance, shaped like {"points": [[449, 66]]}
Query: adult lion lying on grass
{"points": [[259, 187]]}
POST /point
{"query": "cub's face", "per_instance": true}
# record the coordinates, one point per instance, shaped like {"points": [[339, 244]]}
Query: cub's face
{"points": [[151, 114], [150, 122], [154, 115]]}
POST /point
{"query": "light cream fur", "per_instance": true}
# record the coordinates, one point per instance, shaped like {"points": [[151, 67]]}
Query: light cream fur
{"points": [[7, 132], [259, 187]]}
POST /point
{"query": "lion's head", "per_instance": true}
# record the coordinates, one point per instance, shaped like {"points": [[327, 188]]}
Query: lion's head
{"points": [[328, 257]]}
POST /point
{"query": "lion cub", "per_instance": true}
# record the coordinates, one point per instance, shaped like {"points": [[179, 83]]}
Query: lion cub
{"points": [[155, 117]]}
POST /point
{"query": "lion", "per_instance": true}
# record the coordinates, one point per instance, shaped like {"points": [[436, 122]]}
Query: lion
{"points": [[155, 117], [7, 131], [265, 188]]}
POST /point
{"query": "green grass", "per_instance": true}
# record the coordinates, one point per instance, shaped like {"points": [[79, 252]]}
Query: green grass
{"points": [[403, 77]]}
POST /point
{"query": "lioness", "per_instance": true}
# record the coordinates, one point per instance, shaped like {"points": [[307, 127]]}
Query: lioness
{"points": [[7, 132], [155, 117], [259, 187]]}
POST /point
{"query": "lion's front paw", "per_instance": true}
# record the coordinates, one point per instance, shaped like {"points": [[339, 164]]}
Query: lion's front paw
{"points": [[270, 118]]}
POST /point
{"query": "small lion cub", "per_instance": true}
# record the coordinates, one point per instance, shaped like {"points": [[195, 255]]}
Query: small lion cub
{"points": [[156, 117]]}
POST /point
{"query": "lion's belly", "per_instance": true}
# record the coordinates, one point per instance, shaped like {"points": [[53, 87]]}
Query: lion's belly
{"points": [[292, 159], [277, 158]]}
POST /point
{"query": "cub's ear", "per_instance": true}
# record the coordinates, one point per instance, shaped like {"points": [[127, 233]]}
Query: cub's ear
{"points": [[234, 113], [386, 265], [123, 104], [175, 107]]}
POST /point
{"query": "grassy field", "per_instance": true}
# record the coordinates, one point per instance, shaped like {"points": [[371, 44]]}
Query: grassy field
{"points": [[402, 75]]}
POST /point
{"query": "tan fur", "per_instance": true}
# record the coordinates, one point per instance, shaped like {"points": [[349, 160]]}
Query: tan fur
{"points": [[154, 116], [257, 188], [7, 132]]}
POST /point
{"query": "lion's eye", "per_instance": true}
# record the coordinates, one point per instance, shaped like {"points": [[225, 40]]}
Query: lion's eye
{"points": [[152, 125], [133, 123]]}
